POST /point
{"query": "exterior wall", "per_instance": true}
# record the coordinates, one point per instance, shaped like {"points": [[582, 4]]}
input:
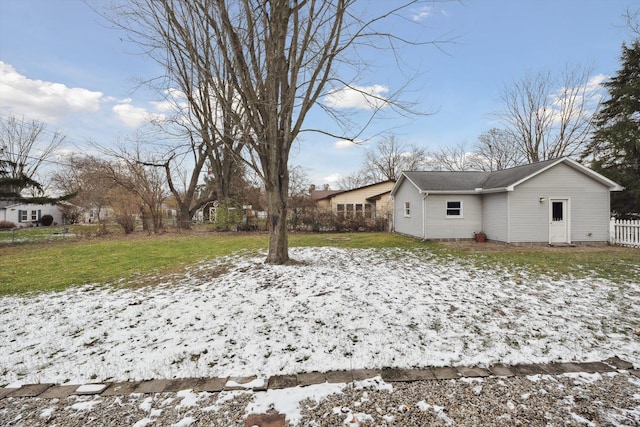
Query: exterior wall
{"points": [[411, 225], [384, 206], [323, 204], [438, 226], [91, 216], [588, 206], [495, 216], [361, 195], [11, 213]]}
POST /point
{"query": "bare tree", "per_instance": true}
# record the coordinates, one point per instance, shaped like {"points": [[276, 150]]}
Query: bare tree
{"points": [[276, 58], [455, 158], [281, 56], [352, 181], [390, 157], [299, 199], [24, 147], [143, 180], [89, 178], [549, 117], [632, 16], [496, 150], [127, 206], [171, 32]]}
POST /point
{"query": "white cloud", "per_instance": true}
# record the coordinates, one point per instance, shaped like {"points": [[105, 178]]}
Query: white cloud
{"points": [[38, 99], [133, 117], [174, 101], [581, 101], [360, 97], [333, 178], [165, 106], [344, 144], [425, 12], [595, 83], [422, 13]]}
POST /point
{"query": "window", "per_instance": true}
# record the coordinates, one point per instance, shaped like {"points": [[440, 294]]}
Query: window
{"points": [[454, 209], [556, 211], [352, 210], [22, 216], [349, 211], [34, 215], [368, 211], [407, 209]]}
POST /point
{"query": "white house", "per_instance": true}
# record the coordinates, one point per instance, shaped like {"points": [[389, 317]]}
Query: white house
{"points": [[556, 201], [26, 214]]}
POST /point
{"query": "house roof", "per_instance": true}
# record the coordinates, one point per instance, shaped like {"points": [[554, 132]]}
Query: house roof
{"points": [[4, 204], [327, 194], [486, 182], [323, 194], [378, 196]]}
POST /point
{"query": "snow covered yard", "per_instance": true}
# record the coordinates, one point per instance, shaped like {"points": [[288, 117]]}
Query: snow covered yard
{"points": [[335, 309]]}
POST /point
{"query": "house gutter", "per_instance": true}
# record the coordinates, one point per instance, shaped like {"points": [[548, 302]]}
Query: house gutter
{"points": [[474, 191]]}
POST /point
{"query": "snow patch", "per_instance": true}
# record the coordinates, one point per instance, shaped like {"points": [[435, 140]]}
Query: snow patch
{"points": [[264, 320], [439, 412], [186, 421], [287, 401], [47, 412], [85, 406]]}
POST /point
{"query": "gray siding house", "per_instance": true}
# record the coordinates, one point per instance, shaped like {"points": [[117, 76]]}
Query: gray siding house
{"points": [[556, 201]]}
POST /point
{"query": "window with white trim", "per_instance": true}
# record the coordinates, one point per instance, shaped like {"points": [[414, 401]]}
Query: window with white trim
{"points": [[34, 215], [353, 210], [407, 209], [454, 209]]}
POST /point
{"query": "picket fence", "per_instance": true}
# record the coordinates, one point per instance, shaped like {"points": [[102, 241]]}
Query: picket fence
{"points": [[624, 232]]}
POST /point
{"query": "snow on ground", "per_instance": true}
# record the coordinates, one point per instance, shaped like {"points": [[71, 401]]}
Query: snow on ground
{"points": [[335, 309]]}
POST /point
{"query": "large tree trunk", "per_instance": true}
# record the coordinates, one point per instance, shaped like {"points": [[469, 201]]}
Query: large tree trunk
{"points": [[277, 191], [184, 216]]}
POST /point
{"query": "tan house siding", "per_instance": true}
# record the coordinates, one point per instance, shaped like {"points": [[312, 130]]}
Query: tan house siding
{"points": [[323, 204], [377, 195]]}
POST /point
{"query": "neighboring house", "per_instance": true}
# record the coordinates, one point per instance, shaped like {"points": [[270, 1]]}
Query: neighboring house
{"points": [[370, 201], [96, 215], [556, 201], [26, 214], [322, 198]]}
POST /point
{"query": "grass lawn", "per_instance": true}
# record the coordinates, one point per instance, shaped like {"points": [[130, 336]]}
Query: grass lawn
{"points": [[138, 258]]}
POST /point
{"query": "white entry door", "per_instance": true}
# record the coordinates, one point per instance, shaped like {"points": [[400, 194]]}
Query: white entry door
{"points": [[559, 221]]}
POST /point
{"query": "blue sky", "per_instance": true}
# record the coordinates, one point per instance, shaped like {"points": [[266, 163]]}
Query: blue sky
{"points": [[61, 63]]}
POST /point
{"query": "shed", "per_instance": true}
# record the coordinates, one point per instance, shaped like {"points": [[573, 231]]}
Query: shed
{"points": [[557, 201]]}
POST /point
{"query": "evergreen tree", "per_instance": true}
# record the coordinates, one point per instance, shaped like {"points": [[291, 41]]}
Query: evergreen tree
{"points": [[12, 187], [615, 146]]}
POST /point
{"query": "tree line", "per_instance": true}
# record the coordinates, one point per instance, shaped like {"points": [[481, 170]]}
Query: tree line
{"points": [[242, 77]]}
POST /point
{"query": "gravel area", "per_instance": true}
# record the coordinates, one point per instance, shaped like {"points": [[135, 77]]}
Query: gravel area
{"points": [[541, 400]]}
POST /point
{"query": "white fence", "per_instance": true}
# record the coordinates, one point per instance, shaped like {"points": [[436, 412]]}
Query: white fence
{"points": [[624, 233]]}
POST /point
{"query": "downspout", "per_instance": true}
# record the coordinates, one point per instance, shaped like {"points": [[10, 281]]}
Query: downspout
{"points": [[392, 227], [509, 217], [424, 216]]}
